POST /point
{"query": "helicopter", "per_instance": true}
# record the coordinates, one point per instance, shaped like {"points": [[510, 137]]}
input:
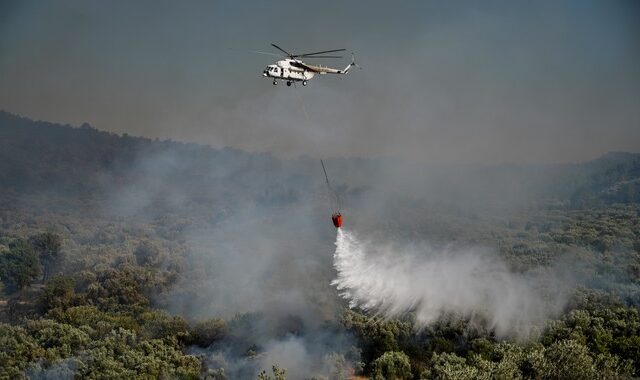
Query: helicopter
{"points": [[293, 69]]}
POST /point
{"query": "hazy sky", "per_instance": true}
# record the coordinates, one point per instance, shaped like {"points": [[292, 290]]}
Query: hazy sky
{"points": [[443, 81]]}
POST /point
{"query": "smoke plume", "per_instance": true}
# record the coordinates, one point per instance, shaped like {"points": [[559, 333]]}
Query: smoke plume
{"points": [[435, 283]]}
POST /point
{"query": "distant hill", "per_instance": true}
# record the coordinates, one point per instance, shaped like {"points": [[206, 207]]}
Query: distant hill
{"points": [[38, 156], [612, 178]]}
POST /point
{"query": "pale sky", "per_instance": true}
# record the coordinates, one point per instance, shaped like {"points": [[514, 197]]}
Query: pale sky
{"points": [[448, 82]]}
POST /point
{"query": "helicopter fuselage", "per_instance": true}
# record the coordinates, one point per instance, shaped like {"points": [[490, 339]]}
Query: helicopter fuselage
{"points": [[288, 69]]}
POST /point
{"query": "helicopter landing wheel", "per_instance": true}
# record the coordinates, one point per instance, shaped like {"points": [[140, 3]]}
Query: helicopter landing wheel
{"points": [[304, 82], [289, 83], [275, 82]]}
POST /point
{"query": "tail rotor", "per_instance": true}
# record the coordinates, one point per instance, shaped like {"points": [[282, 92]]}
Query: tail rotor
{"points": [[353, 62]]}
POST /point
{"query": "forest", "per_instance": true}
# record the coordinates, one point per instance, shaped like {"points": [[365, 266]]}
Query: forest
{"points": [[128, 257]]}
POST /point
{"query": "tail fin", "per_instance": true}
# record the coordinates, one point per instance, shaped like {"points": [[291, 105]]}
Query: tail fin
{"points": [[353, 63]]}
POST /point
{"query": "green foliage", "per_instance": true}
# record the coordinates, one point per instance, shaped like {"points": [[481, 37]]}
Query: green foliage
{"points": [[58, 293], [17, 350], [278, 374], [101, 348], [569, 359], [59, 340], [208, 332], [49, 248], [119, 289], [158, 324], [391, 365], [376, 335], [147, 254], [603, 331], [504, 361], [100, 336], [448, 366], [570, 353], [122, 354], [19, 265], [99, 323]]}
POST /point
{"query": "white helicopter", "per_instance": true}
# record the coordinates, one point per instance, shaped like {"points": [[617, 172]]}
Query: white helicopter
{"points": [[292, 69]]}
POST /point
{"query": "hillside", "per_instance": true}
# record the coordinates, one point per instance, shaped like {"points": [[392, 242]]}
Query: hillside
{"points": [[41, 156], [193, 262]]}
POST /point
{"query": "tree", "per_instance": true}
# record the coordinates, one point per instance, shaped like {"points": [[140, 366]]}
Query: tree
{"points": [[17, 349], [278, 374], [59, 340], [122, 354], [449, 366], [57, 293], [569, 359], [207, 332], [376, 335], [158, 324], [147, 254], [119, 289], [337, 366], [392, 365], [49, 248], [19, 266]]}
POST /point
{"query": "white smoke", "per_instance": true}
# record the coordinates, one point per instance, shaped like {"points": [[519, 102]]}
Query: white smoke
{"points": [[436, 283]]}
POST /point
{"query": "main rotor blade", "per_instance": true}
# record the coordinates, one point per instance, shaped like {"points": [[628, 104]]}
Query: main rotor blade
{"points": [[326, 56], [254, 52], [319, 52], [282, 50], [264, 52]]}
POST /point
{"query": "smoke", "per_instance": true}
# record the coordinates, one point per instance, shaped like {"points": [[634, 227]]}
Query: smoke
{"points": [[257, 260], [317, 355], [57, 370], [435, 283], [303, 359]]}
